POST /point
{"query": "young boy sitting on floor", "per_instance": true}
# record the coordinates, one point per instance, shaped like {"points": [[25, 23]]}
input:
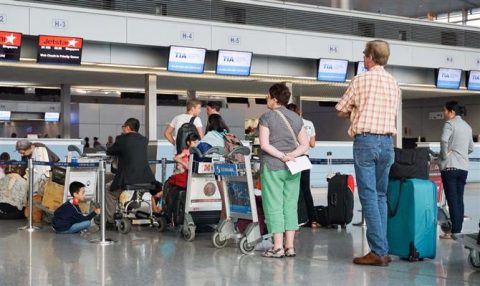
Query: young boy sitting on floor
{"points": [[68, 218]]}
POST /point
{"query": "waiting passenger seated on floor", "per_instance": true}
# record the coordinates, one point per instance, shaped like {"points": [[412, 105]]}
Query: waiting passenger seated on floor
{"points": [[13, 191]]}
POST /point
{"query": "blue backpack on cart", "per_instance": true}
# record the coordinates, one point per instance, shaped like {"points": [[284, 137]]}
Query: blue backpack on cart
{"points": [[412, 218]]}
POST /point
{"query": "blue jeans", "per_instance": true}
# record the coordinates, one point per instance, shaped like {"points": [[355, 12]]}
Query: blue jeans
{"points": [[454, 184], [373, 156], [77, 227]]}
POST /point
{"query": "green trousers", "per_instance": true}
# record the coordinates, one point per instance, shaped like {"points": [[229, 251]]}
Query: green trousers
{"points": [[280, 191]]}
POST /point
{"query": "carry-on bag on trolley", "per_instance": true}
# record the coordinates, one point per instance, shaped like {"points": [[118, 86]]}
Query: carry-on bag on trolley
{"points": [[339, 210], [412, 218]]}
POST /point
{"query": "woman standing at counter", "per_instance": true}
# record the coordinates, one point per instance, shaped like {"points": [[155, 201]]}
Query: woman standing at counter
{"points": [[282, 139], [455, 145]]}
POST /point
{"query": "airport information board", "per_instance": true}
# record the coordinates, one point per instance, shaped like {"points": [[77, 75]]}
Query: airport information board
{"points": [[233, 63], [59, 50], [185, 59], [474, 80], [10, 44], [332, 70], [449, 78]]}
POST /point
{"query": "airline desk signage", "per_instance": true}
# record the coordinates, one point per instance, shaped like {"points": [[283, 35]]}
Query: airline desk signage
{"points": [[234, 63], [449, 78], [59, 50], [10, 44], [184, 59], [474, 80], [332, 70]]}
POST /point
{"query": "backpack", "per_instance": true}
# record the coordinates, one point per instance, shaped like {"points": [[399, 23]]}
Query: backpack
{"points": [[183, 132], [230, 143]]}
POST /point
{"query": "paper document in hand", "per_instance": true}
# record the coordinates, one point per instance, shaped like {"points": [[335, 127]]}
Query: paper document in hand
{"points": [[301, 163]]}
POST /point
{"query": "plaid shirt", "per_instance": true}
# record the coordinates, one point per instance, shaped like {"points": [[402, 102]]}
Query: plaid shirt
{"points": [[371, 99]]}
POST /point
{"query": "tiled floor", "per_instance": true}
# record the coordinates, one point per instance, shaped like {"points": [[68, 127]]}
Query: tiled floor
{"points": [[147, 257]]}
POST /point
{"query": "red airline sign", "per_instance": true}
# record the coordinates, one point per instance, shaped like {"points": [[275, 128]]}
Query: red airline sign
{"points": [[10, 39], [60, 42]]}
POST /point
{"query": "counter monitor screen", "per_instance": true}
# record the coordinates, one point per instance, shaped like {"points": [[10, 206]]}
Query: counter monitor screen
{"points": [[184, 59], [233, 63], [448, 78], [332, 70], [52, 116], [360, 68], [5, 115], [473, 80]]}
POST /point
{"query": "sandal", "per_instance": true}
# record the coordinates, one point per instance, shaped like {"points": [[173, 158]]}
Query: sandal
{"points": [[274, 253], [446, 236], [290, 252], [315, 224]]}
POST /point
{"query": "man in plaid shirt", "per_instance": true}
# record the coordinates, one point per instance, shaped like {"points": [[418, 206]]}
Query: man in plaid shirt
{"points": [[371, 102]]}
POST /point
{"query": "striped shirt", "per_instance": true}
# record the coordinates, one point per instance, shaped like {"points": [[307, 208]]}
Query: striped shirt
{"points": [[371, 99]]}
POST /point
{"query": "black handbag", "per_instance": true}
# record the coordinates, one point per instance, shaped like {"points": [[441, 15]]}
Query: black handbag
{"points": [[410, 163]]}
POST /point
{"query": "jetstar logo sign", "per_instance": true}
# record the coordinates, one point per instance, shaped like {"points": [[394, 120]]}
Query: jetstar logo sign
{"points": [[60, 42], [10, 44], [10, 39], [60, 50]]}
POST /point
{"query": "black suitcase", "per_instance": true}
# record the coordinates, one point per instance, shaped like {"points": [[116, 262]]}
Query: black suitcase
{"points": [[339, 210]]}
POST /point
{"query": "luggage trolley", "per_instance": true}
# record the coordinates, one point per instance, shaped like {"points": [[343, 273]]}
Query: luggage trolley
{"points": [[443, 216], [201, 203], [239, 202], [472, 243]]}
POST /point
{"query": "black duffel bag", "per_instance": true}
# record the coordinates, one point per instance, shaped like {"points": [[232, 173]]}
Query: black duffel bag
{"points": [[410, 163]]}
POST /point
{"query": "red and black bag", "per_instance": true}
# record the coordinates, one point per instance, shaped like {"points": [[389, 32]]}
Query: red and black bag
{"points": [[339, 210]]}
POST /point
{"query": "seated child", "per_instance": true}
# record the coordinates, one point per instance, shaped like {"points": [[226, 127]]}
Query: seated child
{"points": [[182, 158], [68, 218]]}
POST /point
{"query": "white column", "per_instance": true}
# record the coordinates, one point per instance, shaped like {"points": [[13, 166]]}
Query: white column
{"points": [[65, 110], [151, 106]]}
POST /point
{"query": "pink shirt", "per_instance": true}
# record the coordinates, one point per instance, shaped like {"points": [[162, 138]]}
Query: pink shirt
{"points": [[372, 100]]}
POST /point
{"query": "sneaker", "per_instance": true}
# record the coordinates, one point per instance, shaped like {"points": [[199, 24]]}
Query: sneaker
{"points": [[274, 253], [290, 252]]}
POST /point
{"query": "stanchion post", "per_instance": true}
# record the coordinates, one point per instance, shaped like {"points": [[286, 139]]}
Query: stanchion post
{"points": [[362, 223], [30, 227], [164, 170], [101, 187]]}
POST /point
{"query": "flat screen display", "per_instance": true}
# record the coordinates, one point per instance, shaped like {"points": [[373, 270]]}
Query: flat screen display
{"points": [[5, 115], [184, 59], [59, 50], [332, 70], [10, 44], [52, 116], [360, 68], [233, 63], [473, 80], [448, 78]]}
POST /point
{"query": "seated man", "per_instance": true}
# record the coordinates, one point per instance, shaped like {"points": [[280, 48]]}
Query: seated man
{"points": [[131, 151], [68, 218]]}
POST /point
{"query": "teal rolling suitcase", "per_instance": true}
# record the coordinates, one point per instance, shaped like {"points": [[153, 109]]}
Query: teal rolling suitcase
{"points": [[412, 218]]}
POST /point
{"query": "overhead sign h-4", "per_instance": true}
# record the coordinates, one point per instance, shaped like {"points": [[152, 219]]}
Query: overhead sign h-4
{"points": [[185, 59], [10, 44], [234, 63], [59, 50]]}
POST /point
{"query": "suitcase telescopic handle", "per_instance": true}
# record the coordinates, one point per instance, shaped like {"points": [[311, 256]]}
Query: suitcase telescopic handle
{"points": [[333, 199]]}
